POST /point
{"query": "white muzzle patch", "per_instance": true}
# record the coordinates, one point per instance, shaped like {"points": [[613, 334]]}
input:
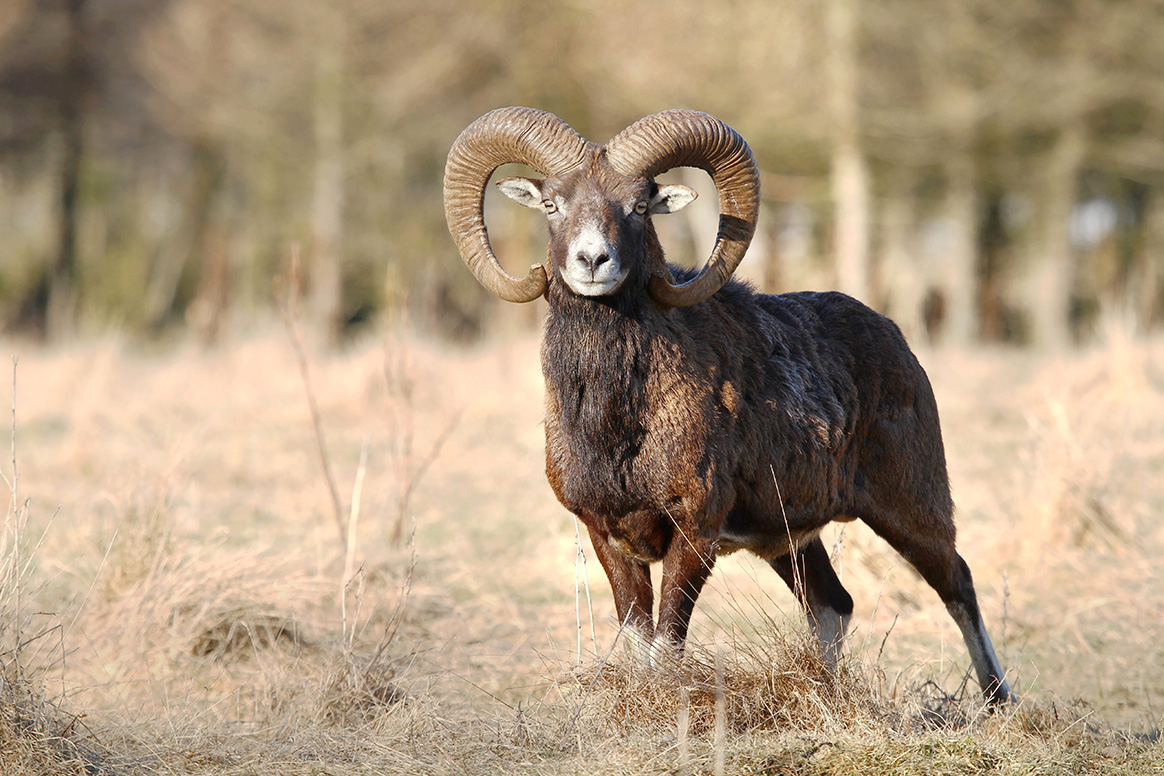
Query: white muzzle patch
{"points": [[592, 264]]}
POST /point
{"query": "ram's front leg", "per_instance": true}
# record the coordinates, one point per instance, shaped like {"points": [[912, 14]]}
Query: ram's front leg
{"points": [[686, 566], [630, 581]]}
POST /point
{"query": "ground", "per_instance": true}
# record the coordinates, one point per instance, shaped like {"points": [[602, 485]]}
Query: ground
{"points": [[177, 597]]}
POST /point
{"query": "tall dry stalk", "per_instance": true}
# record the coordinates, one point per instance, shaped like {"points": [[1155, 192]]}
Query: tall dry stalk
{"points": [[354, 512], [720, 717], [400, 379], [14, 520], [288, 294], [15, 472], [15, 570], [580, 571]]}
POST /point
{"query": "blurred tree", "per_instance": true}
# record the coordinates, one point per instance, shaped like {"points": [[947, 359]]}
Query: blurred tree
{"points": [[956, 64], [49, 64], [196, 250], [904, 278], [850, 171], [1053, 255], [67, 77], [76, 78], [329, 174]]}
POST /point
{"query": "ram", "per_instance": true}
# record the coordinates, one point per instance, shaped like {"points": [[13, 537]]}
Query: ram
{"points": [[688, 416]]}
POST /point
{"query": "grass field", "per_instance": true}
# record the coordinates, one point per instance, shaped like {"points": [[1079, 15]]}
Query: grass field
{"points": [[177, 597]]}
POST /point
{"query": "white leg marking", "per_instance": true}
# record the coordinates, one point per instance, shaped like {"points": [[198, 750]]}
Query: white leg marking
{"points": [[663, 652], [830, 627], [982, 654], [637, 645]]}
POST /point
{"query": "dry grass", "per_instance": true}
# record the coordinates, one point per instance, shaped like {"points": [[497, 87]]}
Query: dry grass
{"points": [[175, 600]]}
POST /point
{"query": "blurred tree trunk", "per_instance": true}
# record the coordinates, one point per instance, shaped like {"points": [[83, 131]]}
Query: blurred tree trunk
{"points": [[207, 313], [771, 277], [60, 313], [993, 247], [188, 248], [1146, 275], [959, 275], [209, 249], [850, 174], [1053, 273], [327, 209], [904, 279]]}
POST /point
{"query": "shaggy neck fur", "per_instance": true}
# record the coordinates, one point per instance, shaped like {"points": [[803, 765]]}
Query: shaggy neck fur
{"points": [[595, 361], [596, 358]]}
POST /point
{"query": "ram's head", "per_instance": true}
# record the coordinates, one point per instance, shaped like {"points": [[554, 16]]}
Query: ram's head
{"points": [[599, 199]]}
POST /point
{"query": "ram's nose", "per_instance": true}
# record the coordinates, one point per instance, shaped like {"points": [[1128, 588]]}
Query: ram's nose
{"points": [[592, 260]]}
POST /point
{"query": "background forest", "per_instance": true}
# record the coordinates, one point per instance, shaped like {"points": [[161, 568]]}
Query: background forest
{"points": [[981, 171]]}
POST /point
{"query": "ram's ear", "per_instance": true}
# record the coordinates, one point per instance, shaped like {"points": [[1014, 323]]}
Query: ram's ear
{"points": [[671, 198], [523, 191]]}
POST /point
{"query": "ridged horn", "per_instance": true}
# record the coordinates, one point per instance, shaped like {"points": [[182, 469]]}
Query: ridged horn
{"points": [[518, 135], [687, 138]]}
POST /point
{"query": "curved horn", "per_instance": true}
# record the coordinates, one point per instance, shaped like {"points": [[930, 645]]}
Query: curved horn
{"points": [[687, 138], [520, 135]]}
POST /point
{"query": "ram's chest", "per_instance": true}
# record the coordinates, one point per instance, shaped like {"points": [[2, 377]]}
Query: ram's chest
{"points": [[623, 446]]}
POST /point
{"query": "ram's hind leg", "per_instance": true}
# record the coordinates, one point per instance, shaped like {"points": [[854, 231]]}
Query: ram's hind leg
{"points": [[929, 546], [630, 581], [810, 576]]}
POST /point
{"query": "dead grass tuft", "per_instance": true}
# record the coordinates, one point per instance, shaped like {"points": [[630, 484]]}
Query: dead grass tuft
{"points": [[355, 692], [239, 632], [765, 684], [143, 537], [223, 607], [37, 736], [1089, 421]]}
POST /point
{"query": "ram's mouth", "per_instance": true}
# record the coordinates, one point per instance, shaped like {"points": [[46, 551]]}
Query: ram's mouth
{"points": [[595, 287]]}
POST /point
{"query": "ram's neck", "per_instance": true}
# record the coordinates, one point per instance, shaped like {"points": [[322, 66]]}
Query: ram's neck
{"points": [[596, 358]]}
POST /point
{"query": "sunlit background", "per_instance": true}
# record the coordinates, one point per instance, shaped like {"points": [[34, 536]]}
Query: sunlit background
{"points": [[981, 171]]}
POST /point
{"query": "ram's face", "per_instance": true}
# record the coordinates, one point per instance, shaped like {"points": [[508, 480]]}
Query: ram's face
{"points": [[599, 222]]}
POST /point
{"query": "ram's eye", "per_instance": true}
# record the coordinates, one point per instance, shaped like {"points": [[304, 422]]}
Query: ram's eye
{"points": [[550, 206], [641, 207]]}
